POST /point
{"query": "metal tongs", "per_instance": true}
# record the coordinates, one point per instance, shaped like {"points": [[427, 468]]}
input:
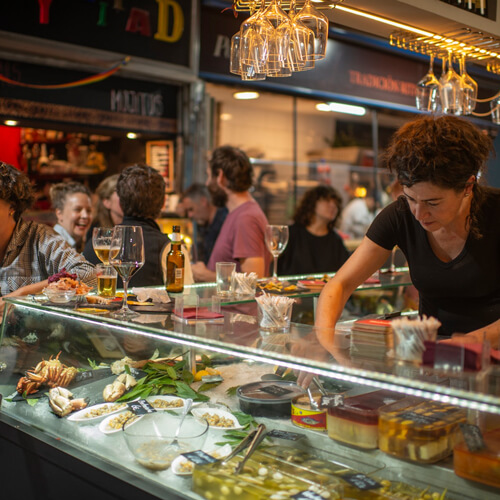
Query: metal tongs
{"points": [[252, 440]]}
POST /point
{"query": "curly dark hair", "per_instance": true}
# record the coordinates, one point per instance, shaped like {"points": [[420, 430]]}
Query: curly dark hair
{"points": [[60, 191], [235, 166], [141, 190], [445, 151], [305, 211], [15, 189]]}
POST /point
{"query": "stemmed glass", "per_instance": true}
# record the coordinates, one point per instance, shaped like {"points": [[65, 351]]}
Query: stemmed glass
{"points": [[469, 88], [276, 241], [427, 97], [315, 20], [101, 242], [127, 257], [451, 90]]}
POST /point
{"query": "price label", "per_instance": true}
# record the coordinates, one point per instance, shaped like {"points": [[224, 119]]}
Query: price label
{"points": [[199, 457], [141, 407], [308, 494], [291, 436], [275, 390], [361, 481], [331, 400], [473, 437]]}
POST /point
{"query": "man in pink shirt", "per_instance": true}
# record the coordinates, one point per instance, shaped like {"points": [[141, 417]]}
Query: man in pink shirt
{"points": [[241, 238]]}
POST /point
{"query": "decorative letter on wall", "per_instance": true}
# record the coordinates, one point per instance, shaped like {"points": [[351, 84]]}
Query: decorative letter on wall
{"points": [[44, 11], [138, 22], [163, 21]]}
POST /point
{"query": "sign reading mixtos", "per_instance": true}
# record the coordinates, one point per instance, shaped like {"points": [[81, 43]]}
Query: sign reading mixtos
{"points": [[152, 29]]}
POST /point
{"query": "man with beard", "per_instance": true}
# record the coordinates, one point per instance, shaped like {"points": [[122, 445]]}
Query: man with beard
{"points": [[241, 240], [207, 216]]}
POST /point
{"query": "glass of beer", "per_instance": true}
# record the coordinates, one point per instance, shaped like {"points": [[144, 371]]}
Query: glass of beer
{"points": [[106, 281], [101, 241]]}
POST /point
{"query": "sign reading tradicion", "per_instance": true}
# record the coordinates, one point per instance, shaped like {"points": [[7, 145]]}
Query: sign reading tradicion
{"points": [[152, 29]]}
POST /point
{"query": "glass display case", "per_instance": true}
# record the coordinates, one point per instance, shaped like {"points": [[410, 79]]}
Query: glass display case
{"points": [[45, 346]]}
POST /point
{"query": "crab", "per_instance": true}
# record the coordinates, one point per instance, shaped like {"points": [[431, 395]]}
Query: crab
{"points": [[62, 403], [51, 372], [121, 384]]}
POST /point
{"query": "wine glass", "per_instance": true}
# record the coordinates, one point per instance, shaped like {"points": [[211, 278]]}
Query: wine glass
{"points": [[276, 241], [127, 257], [315, 20], [469, 88], [428, 90], [101, 241], [451, 90]]}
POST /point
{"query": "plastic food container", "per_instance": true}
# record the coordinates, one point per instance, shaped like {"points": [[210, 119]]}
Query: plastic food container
{"points": [[268, 398], [355, 422], [420, 431], [482, 465]]}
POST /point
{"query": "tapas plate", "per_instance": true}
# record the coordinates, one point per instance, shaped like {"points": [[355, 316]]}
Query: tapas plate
{"points": [[163, 403], [97, 412], [114, 423], [181, 466], [217, 418]]}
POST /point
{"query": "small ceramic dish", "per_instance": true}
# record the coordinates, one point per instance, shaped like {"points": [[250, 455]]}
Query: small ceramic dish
{"points": [[181, 466], [217, 419], [96, 413]]}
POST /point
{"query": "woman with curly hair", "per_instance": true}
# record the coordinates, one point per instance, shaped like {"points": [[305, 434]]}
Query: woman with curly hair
{"points": [[443, 223], [30, 252], [313, 245]]}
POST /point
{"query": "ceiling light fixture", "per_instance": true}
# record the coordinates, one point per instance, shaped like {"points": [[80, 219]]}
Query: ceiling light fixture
{"points": [[247, 95], [338, 107], [132, 135], [11, 123]]}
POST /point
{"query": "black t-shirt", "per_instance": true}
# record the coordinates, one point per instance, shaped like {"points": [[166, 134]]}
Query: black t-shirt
{"points": [[463, 294], [306, 253]]}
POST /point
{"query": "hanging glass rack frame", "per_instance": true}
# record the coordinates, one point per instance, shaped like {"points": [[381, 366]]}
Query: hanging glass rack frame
{"points": [[475, 45], [252, 5]]}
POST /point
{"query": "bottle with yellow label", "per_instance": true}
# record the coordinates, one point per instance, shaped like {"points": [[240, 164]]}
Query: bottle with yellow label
{"points": [[175, 263]]}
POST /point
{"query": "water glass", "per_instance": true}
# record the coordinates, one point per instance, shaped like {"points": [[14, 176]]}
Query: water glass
{"points": [[225, 278], [106, 281]]}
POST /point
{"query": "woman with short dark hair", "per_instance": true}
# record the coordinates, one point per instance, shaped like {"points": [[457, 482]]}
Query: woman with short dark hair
{"points": [[445, 224], [313, 245]]}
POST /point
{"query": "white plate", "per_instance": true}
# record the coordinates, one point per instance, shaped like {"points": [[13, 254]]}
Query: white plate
{"points": [[199, 412], [106, 429], [181, 462], [150, 400], [80, 416]]}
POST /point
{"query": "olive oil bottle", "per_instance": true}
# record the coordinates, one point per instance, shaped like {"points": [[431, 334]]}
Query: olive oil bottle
{"points": [[175, 263]]}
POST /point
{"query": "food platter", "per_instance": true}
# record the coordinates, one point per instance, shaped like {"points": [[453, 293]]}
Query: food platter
{"points": [[167, 403], [217, 419], [114, 423], [277, 287], [96, 413]]}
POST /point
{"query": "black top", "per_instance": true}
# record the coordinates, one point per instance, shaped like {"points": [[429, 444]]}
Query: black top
{"points": [[209, 233], [306, 253], [151, 273], [463, 294]]}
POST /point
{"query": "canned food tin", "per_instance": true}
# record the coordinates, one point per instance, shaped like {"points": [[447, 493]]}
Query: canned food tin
{"points": [[304, 416]]}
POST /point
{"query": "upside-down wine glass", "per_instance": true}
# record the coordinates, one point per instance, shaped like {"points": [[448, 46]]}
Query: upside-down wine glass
{"points": [[101, 242], [315, 20], [276, 241], [426, 97], [451, 90], [469, 88], [127, 257]]}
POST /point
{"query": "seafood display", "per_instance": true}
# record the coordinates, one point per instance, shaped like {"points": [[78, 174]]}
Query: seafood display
{"points": [[62, 403], [123, 383], [482, 465], [52, 373], [421, 431], [355, 422]]}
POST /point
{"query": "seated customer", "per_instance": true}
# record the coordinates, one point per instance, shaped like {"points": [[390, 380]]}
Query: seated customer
{"points": [[141, 190], [30, 252], [208, 218], [71, 201], [313, 245]]}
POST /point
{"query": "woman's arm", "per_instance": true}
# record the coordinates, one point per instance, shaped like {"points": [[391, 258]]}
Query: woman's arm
{"points": [[367, 259], [490, 333]]}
